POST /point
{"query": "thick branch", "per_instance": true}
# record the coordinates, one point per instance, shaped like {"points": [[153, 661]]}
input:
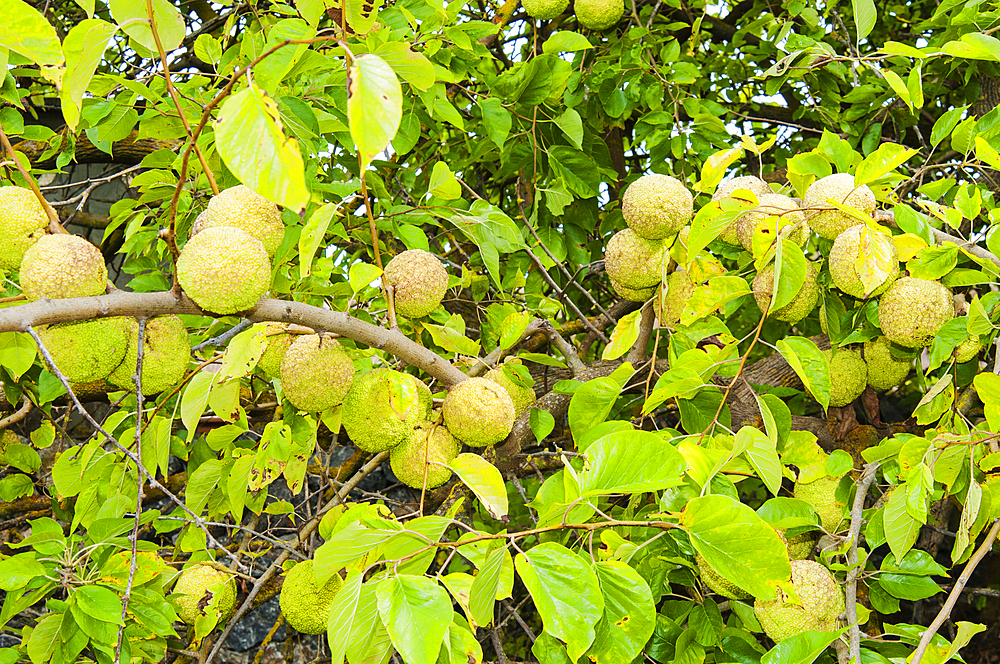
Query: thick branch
{"points": [[156, 304]]}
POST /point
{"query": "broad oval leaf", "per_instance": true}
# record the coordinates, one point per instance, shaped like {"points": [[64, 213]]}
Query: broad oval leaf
{"points": [[629, 615], [485, 481], [416, 611], [24, 30], [83, 48], [134, 16], [374, 105], [810, 365], [614, 466]]}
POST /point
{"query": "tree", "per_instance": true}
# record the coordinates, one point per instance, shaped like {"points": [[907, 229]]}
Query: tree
{"points": [[684, 447]]}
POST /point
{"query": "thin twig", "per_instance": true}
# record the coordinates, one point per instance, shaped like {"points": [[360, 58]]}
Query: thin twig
{"points": [[225, 336], [955, 593], [576, 365], [19, 414], [852, 559]]}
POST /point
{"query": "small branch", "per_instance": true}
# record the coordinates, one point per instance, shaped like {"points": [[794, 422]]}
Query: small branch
{"points": [[18, 415], [887, 217], [637, 356], [852, 559], [225, 336], [576, 365], [955, 593], [54, 225]]}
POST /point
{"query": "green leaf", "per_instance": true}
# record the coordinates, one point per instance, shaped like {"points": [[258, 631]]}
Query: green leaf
{"points": [[760, 451], [412, 67], [18, 570], [24, 30], [313, 234], [718, 292], [564, 40], [194, 400], [802, 648], [497, 120], [629, 615], [208, 49], [201, 483], [452, 340], [623, 336], [876, 260], [486, 585], [343, 613], [901, 529], [17, 352], [737, 543], [416, 611], [345, 547], [271, 164], [809, 364], [83, 48], [566, 593], [99, 603], [243, 353], [864, 14], [44, 638], [374, 105], [884, 160], [613, 466], [485, 481], [715, 167], [272, 71], [946, 123], [934, 262], [572, 125], [790, 271], [134, 16], [541, 422], [443, 183], [362, 274]]}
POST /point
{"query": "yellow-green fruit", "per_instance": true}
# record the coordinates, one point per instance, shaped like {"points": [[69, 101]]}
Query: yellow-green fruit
{"points": [[544, 9], [848, 375], [818, 602], [22, 222], [420, 282], [478, 412], [382, 407], [884, 370], [912, 311], [968, 349], [679, 289], [821, 494], [801, 305], [59, 266], [718, 583], [800, 546], [633, 294], [196, 589], [428, 445], [656, 206], [224, 270], [839, 187], [522, 395], [775, 214], [844, 260], [304, 603], [278, 342], [166, 352], [87, 350], [727, 190], [633, 261], [316, 373], [243, 208], [599, 14]]}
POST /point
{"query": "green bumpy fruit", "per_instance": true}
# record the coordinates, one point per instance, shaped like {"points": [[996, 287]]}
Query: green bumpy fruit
{"points": [[87, 350], [306, 605], [656, 206], [60, 266], [800, 546], [844, 258], [633, 294], [822, 495], [224, 270], [848, 375], [635, 262], [728, 189], [522, 395], [420, 282], [884, 370], [427, 445], [718, 583], [478, 412], [278, 342], [840, 187], [22, 223], [203, 586], [819, 603], [968, 349], [316, 373], [774, 215], [242, 207], [670, 305], [599, 14], [912, 311], [801, 305], [544, 9], [166, 352], [382, 408]]}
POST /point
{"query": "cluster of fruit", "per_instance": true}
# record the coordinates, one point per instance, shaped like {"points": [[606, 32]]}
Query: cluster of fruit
{"points": [[911, 311], [592, 14]]}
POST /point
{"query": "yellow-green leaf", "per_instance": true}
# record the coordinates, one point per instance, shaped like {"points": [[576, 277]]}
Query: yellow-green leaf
{"points": [[374, 105]]}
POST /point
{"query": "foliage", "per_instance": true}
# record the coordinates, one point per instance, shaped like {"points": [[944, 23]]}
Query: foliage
{"points": [[503, 145]]}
